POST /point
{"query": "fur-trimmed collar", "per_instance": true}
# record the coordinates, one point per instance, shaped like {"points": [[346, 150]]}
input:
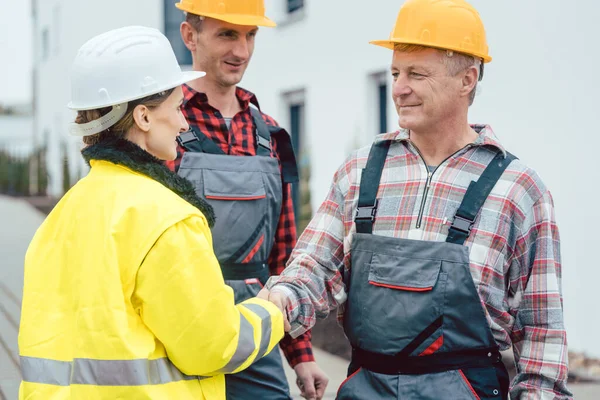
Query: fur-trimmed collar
{"points": [[128, 154]]}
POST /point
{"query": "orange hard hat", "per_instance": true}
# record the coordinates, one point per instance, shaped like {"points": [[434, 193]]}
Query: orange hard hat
{"points": [[238, 12], [444, 24]]}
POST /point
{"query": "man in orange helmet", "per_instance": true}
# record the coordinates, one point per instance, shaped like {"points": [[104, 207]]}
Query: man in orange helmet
{"points": [[439, 247], [242, 163]]}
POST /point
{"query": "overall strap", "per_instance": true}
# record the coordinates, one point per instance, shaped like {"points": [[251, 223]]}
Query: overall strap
{"points": [[262, 134], [285, 150], [195, 141], [476, 194], [369, 184]]}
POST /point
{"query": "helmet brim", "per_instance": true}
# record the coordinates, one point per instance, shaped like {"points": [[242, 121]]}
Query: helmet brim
{"points": [[390, 44], [236, 19], [186, 76]]}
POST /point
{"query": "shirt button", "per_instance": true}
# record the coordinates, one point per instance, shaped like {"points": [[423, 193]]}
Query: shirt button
{"points": [[495, 392], [489, 354]]}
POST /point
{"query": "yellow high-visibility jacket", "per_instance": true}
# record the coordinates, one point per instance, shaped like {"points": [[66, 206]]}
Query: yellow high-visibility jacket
{"points": [[123, 297]]}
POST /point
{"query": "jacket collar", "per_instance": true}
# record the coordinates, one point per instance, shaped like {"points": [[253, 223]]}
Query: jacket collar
{"points": [[486, 137], [128, 154]]}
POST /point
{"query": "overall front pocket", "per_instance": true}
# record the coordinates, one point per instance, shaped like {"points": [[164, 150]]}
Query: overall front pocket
{"points": [[404, 303], [242, 223]]}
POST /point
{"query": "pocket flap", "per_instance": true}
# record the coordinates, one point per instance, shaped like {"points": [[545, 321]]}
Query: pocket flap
{"points": [[233, 185], [402, 273]]}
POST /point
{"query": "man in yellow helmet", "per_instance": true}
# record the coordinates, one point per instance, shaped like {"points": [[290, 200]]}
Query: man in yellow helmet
{"points": [[439, 247], [242, 163]]}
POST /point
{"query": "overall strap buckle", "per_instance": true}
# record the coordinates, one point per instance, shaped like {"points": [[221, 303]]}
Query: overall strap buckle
{"points": [[264, 142], [366, 213], [462, 224], [196, 141], [186, 137], [369, 185]]}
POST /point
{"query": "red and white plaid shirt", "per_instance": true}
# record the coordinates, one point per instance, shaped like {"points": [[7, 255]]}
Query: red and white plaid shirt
{"points": [[514, 250], [239, 141]]}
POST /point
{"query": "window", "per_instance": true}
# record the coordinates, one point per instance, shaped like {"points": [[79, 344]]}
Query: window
{"points": [[379, 84], [294, 5], [286, 12], [45, 44], [173, 19], [382, 104], [296, 125], [301, 190]]}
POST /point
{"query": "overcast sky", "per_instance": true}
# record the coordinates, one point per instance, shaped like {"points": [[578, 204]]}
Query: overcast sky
{"points": [[15, 51]]}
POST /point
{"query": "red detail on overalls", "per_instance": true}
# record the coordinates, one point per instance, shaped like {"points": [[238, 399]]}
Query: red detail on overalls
{"points": [[236, 198], [435, 346], [254, 249], [346, 380], [252, 281], [410, 289], [469, 385]]}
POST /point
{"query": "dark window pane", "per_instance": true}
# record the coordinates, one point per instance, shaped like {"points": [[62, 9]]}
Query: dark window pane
{"points": [[173, 19], [295, 121], [382, 90], [294, 5], [45, 44]]}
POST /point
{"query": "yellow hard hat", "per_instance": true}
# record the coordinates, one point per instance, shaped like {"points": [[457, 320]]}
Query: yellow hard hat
{"points": [[444, 24], [238, 12]]}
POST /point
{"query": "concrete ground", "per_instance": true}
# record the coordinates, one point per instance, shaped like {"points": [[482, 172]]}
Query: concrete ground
{"points": [[18, 222]]}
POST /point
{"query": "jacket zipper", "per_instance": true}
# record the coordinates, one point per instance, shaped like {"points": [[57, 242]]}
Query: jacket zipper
{"points": [[428, 182]]}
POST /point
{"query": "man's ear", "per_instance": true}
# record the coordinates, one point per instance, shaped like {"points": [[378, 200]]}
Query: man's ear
{"points": [[141, 116], [188, 35], [469, 80]]}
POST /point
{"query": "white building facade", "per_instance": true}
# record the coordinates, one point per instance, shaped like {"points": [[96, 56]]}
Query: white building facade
{"points": [[318, 76], [60, 28]]}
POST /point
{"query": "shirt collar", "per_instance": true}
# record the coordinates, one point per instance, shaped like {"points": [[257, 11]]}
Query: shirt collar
{"points": [[486, 137], [245, 97]]}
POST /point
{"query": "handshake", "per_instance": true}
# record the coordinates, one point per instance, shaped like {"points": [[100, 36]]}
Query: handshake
{"points": [[280, 301]]}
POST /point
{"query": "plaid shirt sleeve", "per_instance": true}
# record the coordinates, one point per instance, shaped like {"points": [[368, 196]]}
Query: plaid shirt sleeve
{"points": [[539, 337], [312, 280], [296, 350]]}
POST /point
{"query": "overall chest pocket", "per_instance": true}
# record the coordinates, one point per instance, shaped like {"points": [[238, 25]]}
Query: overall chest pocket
{"points": [[406, 299], [239, 199]]}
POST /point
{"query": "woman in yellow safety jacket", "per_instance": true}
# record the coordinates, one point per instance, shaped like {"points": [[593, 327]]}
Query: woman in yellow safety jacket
{"points": [[123, 296]]}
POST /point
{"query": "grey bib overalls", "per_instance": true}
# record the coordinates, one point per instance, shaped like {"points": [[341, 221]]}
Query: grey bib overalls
{"points": [[413, 315], [246, 195]]}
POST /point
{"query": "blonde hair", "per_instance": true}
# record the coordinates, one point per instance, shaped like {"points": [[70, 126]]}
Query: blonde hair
{"points": [[125, 123]]}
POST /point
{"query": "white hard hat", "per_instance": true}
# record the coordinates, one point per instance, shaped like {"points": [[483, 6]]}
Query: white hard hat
{"points": [[119, 66]]}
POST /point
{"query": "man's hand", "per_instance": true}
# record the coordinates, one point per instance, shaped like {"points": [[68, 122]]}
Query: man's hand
{"points": [[280, 301], [311, 380], [263, 294]]}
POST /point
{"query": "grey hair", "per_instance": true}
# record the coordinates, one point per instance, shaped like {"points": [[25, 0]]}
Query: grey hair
{"points": [[455, 62]]}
